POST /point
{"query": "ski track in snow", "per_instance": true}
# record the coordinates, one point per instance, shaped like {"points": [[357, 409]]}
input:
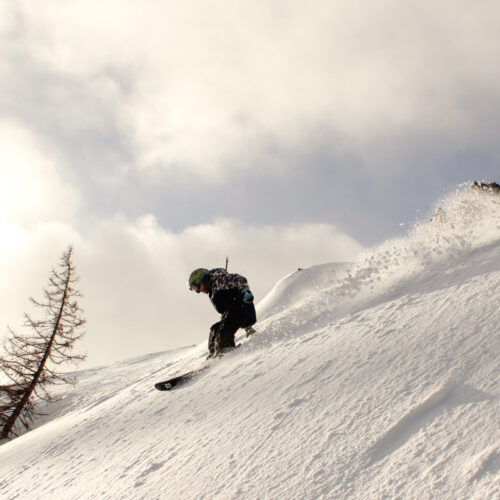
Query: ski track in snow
{"points": [[378, 379]]}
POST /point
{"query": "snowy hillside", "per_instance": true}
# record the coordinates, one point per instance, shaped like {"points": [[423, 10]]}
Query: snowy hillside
{"points": [[378, 379]]}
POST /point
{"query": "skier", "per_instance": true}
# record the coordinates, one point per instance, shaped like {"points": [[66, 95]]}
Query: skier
{"points": [[232, 298]]}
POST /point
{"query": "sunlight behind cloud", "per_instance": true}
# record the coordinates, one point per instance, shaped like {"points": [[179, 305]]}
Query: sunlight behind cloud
{"points": [[36, 212], [31, 190]]}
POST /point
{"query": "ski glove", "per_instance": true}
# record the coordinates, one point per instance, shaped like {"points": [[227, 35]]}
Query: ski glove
{"points": [[247, 295]]}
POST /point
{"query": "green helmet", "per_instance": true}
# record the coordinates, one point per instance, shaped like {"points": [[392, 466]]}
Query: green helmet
{"points": [[196, 278]]}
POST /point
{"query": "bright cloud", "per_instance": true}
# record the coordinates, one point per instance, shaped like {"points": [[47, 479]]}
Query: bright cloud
{"points": [[36, 212], [30, 190]]}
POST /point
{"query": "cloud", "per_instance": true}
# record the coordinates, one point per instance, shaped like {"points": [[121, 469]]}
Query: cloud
{"points": [[191, 110], [200, 85]]}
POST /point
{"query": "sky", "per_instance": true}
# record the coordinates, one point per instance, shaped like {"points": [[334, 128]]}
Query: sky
{"points": [[158, 136]]}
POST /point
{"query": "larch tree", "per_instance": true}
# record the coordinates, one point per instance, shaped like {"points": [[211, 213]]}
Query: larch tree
{"points": [[32, 360]]}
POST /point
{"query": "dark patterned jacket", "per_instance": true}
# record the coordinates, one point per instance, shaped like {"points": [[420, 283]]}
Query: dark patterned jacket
{"points": [[226, 290]]}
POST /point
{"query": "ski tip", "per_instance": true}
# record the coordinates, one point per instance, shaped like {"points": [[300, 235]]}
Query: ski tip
{"points": [[163, 387]]}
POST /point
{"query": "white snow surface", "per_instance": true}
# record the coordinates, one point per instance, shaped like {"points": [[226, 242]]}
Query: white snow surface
{"points": [[376, 379]]}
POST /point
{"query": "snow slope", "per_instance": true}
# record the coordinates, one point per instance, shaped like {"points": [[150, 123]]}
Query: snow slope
{"points": [[378, 379]]}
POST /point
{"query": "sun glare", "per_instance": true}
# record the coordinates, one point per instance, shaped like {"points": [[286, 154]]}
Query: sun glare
{"points": [[28, 187]]}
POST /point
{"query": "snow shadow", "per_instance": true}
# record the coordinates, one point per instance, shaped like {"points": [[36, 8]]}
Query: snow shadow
{"points": [[421, 416]]}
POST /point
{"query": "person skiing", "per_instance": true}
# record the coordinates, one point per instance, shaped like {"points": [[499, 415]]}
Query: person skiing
{"points": [[232, 298]]}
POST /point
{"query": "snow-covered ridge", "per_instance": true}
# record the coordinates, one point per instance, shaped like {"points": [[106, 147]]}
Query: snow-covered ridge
{"points": [[377, 379]]}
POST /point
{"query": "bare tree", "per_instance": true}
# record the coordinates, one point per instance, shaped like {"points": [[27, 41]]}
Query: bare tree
{"points": [[31, 361]]}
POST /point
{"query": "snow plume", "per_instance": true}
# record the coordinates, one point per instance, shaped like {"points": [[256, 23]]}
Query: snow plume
{"points": [[462, 222]]}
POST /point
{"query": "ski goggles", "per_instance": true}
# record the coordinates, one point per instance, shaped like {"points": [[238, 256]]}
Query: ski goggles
{"points": [[195, 287]]}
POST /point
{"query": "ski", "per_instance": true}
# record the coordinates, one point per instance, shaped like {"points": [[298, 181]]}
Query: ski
{"points": [[170, 383]]}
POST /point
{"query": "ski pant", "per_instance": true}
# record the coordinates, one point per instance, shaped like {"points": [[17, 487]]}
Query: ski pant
{"points": [[222, 333]]}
